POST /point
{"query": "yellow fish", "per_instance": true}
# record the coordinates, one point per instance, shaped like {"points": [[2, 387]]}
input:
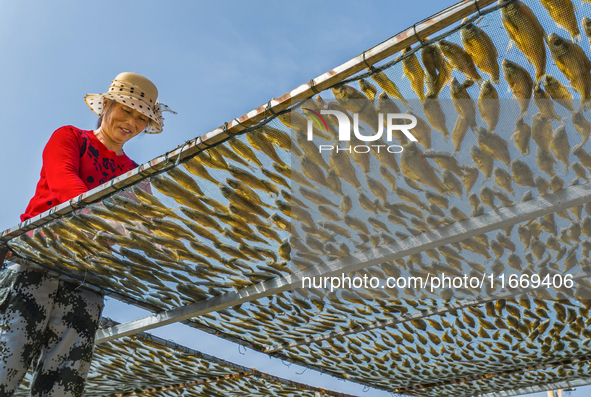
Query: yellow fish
{"points": [[544, 104], [414, 165], [459, 59], [482, 50], [559, 92], [560, 146], [389, 87], [574, 65], [489, 105], [463, 103], [522, 136], [414, 72], [459, 133], [527, 33], [435, 115], [541, 132], [582, 126], [563, 13], [520, 83], [437, 69]]}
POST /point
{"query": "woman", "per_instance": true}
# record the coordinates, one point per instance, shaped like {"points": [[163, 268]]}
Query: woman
{"points": [[41, 315]]}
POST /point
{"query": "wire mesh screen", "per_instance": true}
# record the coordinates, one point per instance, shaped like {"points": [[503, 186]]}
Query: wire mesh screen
{"points": [[145, 365], [501, 121]]}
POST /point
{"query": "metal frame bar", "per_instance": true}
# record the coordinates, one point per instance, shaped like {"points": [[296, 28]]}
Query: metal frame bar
{"points": [[244, 371], [376, 54], [497, 219], [540, 388], [495, 374]]}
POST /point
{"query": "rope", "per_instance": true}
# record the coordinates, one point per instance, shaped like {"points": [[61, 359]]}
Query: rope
{"points": [[477, 8], [365, 61], [314, 90]]}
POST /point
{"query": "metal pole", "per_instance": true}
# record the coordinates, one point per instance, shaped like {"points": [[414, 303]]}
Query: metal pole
{"points": [[540, 388], [497, 219]]}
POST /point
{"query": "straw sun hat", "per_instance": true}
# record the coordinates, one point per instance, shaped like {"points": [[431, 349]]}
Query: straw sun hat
{"points": [[137, 92]]}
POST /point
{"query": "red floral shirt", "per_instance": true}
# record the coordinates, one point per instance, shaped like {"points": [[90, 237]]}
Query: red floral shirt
{"points": [[74, 162]]}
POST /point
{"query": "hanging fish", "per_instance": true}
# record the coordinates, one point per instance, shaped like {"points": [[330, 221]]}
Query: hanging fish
{"points": [[527, 33], [482, 50]]}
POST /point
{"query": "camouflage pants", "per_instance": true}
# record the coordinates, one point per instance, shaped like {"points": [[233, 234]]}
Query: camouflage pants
{"points": [[50, 319]]}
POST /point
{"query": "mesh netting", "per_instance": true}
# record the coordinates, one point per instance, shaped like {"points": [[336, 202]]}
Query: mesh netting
{"points": [[492, 136]]}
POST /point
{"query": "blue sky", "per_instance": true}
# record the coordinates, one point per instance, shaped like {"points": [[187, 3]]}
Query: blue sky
{"points": [[211, 61]]}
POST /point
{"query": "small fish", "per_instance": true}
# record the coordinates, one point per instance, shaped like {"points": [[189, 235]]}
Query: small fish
{"points": [[582, 126], [459, 59], [243, 151], [377, 189], [310, 149], [356, 224], [259, 141], [278, 179], [422, 131], [463, 103], [437, 69], [312, 171], [544, 104], [580, 170], [452, 183], [487, 197], [494, 144], [484, 161], [583, 156], [415, 165], [334, 183], [541, 132], [521, 136], [341, 164], [563, 13], [387, 176], [489, 105], [444, 160], [414, 72], [522, 174], [482, 50], [559, 92], [435, 114], [574, 65], [246, 177], [368, 89], [281, 139], [470, 177], [560, 146], [389, 87], [459, 133], [542, 185], [503, 179], [520, 83], [346, 204], [527, 33]]}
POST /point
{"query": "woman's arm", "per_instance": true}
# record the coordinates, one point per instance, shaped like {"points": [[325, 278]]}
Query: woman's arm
{"points": [[61, 160]]}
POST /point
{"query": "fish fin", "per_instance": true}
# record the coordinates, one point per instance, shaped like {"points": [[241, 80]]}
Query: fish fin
{"points": [[496, 81], [577, 39], [509, 46]]}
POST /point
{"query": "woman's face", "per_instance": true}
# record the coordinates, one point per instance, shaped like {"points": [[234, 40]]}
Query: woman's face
{"points": [[121, 123]]}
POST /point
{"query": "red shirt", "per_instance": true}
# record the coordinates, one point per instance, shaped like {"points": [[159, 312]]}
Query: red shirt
{"points": [[74, 162]]}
